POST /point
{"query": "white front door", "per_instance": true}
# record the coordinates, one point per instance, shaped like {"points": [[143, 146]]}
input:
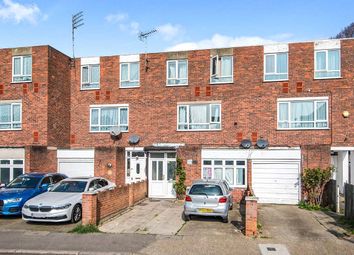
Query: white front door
{"points": [[162, 168], [135, 165]]}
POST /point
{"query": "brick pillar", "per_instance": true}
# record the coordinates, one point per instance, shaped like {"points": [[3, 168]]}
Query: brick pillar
{"points": [[131, 194], [89, 209], [251, 216]]}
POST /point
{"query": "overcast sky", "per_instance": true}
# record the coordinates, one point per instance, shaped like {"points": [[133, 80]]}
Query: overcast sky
{"points": [[111, 27]]}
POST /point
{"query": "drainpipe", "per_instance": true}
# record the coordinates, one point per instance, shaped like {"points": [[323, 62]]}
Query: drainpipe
{"points": [[349, 168]]}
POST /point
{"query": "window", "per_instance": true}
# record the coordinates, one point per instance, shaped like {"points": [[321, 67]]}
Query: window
{"points": [[327, 64], [177, 72], [129, 75], [233, 171], [199, 117], [22, 68], [10, 116], [276, 66], [105, 118], [10, 169], [90, 77], [303, 114], [57, 178], [221, 69]]}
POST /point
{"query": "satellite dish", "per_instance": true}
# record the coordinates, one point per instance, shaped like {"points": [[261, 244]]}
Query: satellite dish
{"points": [[262, 144], [134, 139], [246, 143], [115, 133]]}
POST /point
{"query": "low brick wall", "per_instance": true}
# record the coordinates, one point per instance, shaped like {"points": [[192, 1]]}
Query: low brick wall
{"points": [[98, 206], [251, 216]]}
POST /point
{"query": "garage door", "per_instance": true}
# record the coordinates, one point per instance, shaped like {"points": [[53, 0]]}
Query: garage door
{"points": [[276, 182], [76, 163]]}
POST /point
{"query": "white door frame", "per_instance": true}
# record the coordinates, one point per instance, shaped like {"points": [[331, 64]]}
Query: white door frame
{"points": [[133, 175]]}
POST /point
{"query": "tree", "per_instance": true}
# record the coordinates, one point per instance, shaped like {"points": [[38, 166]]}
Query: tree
{"points": [[180, 186], [347, 32]]}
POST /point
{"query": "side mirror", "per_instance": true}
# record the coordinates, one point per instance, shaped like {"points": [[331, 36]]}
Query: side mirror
{"points": [[187, 190], [91, 189], [50, 188], [45, 186], [2, 185]]}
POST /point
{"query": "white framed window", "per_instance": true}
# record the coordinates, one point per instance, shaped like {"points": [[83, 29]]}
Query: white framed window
{"points": [[129, 75], [276, 66], [177, 72], [198, 117], [22, 68], [10, 169], [327, 64], [10, 116], [221, 69], [234, 171], [106, 117], [90, 76], [303, 113]]}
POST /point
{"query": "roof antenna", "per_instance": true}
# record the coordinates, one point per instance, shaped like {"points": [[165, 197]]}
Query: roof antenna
{"points": [[143, 36], [76, 22]]}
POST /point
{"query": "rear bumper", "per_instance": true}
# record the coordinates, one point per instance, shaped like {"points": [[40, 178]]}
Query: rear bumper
{"points": [[221, 211]]}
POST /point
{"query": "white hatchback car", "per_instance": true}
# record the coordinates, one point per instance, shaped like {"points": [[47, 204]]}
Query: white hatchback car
{"points": [[63, 202]]}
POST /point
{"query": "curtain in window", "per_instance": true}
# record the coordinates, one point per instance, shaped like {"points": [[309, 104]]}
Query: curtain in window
{"points": [[134, 71], [226, 66], [124, 72], [215, 113], [182, 115], [218, 173], [5, 113], [27, 65], [94, 117], [182, 69], [207, 173], [198, 114], [321, 111], [333, 60], [270, 63], [240, 177], [229, 175], [172, 70], [85, 74], [109, 116], [321, 60], [16, 112], [282, 63], [283, 112], [302, 111], [95, 74], [123, 116], [17, 66]]}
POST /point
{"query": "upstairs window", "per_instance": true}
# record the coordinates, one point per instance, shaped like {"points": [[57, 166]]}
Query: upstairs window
{"points": [[303, 114], [105, 118], [221, 69], [129, 75], [327, 64], [276, 66], [177, 72], [10, 116], [90, 76], [22, 69], [199, 117]]}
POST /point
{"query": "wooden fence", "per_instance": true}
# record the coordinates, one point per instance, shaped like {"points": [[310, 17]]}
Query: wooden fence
{"points": [[349, 201]]}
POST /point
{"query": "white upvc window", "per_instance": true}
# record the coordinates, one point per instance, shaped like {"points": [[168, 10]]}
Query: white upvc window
{"points": [[10, 116], [10, 169], [22, 68], [303, 113], [177, 72], [327, 64], [90, 76], [234, 171], [199, 117], [129, 75], [221, 69], [276, 66], [106, 117]]}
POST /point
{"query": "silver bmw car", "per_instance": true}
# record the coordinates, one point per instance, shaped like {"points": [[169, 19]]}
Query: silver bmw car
{"points": [[64, 201]]}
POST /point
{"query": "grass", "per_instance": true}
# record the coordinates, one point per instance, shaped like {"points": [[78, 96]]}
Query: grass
{"points": [[309, 207], [347, 224], [85, 229]]}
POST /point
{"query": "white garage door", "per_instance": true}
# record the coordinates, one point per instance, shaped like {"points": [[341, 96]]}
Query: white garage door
{"points": [[76, 163], [276, 181]]}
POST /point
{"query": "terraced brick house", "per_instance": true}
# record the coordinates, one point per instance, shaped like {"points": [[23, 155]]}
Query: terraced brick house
{"points": [[255, 116]]}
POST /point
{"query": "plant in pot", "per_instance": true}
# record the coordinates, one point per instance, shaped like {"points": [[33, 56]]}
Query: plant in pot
{"points": [[179, 185]]}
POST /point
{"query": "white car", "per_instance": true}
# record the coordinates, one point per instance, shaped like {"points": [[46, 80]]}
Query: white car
{"points": [[64, 201]]}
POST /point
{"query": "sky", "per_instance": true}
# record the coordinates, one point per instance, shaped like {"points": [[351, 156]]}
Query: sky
{"points": [[112, 27]]}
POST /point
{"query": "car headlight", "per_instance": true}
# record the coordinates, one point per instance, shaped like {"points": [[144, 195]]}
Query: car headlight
{"points": [[61, 207], [26, 206], [13, 200]]}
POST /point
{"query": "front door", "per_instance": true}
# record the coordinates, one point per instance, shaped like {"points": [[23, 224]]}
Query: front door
{"points": [[135, 165], [162, 176]]}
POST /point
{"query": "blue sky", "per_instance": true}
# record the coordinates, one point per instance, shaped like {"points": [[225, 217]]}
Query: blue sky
{"points": [[111, 27]]}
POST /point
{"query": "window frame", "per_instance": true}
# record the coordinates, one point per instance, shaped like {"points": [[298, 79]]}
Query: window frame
{"points": [[187, 105], [12, 122], [90, 77], [327, 70], [177, 76], [21, 73], [275, 66], [315, 101], [218, 69], [12, 166], [129, 80], [224, 166], [99, 108]]}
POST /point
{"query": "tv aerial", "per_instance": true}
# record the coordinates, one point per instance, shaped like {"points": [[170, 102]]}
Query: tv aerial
{"points": [[143, 36], [76, 22]]}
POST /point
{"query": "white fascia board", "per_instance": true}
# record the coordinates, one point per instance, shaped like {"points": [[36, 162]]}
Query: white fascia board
{"points": [[301, 99], [90, 61], [129, 58], [12, 153], [82, 153], [342, 148], [275, 48], [327, 44]]}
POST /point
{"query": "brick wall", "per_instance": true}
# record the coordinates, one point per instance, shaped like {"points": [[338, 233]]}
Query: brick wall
{"points": [[97, 207], [40, 159]]}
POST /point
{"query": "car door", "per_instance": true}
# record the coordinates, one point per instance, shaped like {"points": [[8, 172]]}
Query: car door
{"points": [[44, 184]]}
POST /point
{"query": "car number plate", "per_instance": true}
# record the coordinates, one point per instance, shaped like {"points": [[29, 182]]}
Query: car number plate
{"points": [[205, 210], [38, 215]]}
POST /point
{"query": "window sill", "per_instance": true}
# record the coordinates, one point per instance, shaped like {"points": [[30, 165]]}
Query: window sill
{"points": [[20, 82], [176, 85], [301, 129], [98, 132], [131, 87], [328, 78], [83, 89], [10, 129], [199, 130], [267, 81], [221, 83]]}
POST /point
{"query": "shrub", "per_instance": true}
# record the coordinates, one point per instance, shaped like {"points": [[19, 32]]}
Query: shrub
{"points": [[313, 182], [85, 229], [179, 185]]}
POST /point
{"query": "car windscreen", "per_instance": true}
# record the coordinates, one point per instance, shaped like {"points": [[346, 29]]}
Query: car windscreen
{"points": [[206, 189], [24, 182], [70, 187]]}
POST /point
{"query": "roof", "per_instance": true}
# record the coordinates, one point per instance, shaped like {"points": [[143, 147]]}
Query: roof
{"points": [[36, 174], [214, 181], [83, 178]]}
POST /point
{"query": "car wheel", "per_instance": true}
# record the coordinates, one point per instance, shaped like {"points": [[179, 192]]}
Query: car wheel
{"points": [[76, 214], [186, 217], [225, 219]]}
